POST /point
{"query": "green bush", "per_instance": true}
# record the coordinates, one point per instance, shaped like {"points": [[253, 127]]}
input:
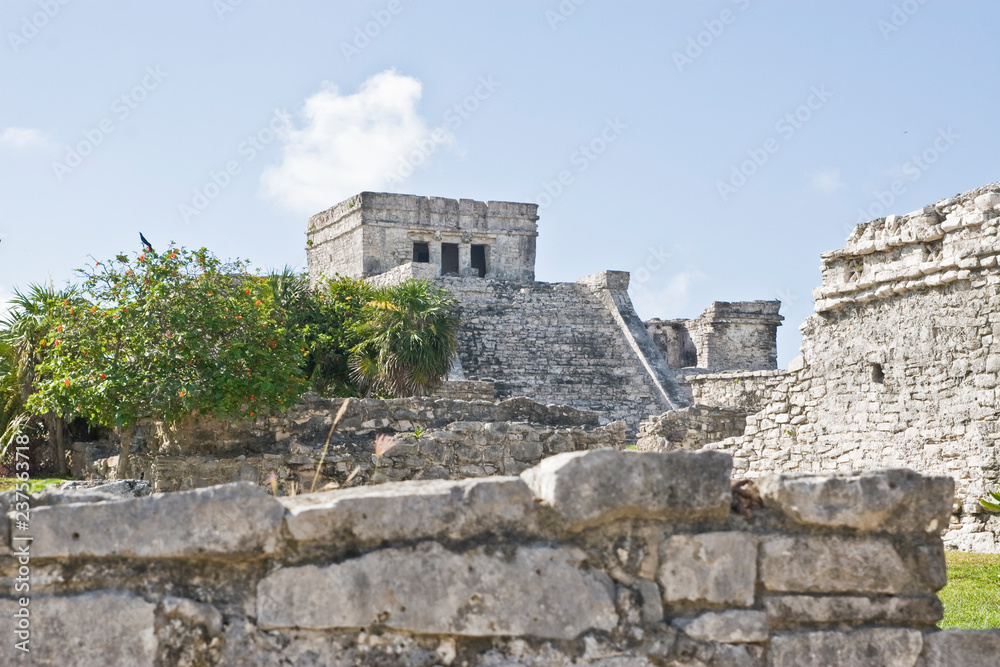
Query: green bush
{"points": [[162, 335]]}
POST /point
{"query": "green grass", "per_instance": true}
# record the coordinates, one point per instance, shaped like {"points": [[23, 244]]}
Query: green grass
{"points": [[8, 483], [972, 597]]}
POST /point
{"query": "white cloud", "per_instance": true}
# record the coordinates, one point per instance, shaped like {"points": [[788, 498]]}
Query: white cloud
{"points": [[826, 180], [23, 137], [668, 301], [350, 143]]}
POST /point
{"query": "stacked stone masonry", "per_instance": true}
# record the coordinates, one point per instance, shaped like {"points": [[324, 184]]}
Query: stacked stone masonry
{"points": [[900, 363], [437, 438], [597, 558], [577, 344]]}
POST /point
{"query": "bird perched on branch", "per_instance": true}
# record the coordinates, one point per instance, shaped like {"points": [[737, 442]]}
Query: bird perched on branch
{"points": [[146, 245]]}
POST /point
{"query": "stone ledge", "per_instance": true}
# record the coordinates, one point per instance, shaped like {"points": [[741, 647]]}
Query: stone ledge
{"points": [[589, 488], [892, 501], [537, 591], [220, 520], [411, 510]]}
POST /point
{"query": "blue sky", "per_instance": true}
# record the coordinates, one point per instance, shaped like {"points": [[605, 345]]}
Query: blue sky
{"points": [[712, 148]]}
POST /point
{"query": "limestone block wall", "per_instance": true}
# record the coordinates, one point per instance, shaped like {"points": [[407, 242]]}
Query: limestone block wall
{"points": [[692, 427], [745, 390], [437, 438], [560, 343], [900, 362], [600, 558]]}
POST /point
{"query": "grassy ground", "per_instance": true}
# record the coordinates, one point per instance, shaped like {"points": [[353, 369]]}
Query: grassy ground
{"points": [[972, 597], [8, 483]]}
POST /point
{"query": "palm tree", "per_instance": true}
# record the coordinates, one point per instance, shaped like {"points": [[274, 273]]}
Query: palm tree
{"points": [[21, 332], [409, 337]]}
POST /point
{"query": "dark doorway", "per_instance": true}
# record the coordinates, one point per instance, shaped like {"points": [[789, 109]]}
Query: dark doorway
{"points": [[479, 259], [421, 253], [449, 259]]}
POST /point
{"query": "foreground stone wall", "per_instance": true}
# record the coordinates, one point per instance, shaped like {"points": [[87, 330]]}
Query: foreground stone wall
{"points": [[598, 558], [436, 438], [901, 362]]}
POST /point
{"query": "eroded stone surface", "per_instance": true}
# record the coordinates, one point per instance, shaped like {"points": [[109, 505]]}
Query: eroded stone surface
{"points": [[103, 629], [408, 510], [893, 501], [961, 648], [795, 610], [538, 591], [876, 647], [832, 565], [679, 484], [730, 627], [714, 568], [234, 518]]}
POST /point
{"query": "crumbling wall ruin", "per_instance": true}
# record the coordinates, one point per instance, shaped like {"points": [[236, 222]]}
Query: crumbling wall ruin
{"points": [[595, 558], [727, 336], [436, 438], [901, 362]]}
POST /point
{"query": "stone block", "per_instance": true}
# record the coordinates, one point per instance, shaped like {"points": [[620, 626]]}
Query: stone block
{"points": [[538, 591], [728, 627], [589, 488], [872, 647], [892, 501], [100, 629], [709, 568], [961, 648], [228, 519], [830, 564], [411, 510], [803, 610]]}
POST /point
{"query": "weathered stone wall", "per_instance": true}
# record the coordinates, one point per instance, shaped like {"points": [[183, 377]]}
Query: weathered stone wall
{"points": [[600, 558], [577, 344], [372, 233], [745, 390], [436, 438], [691, 428], [900, 362]]}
